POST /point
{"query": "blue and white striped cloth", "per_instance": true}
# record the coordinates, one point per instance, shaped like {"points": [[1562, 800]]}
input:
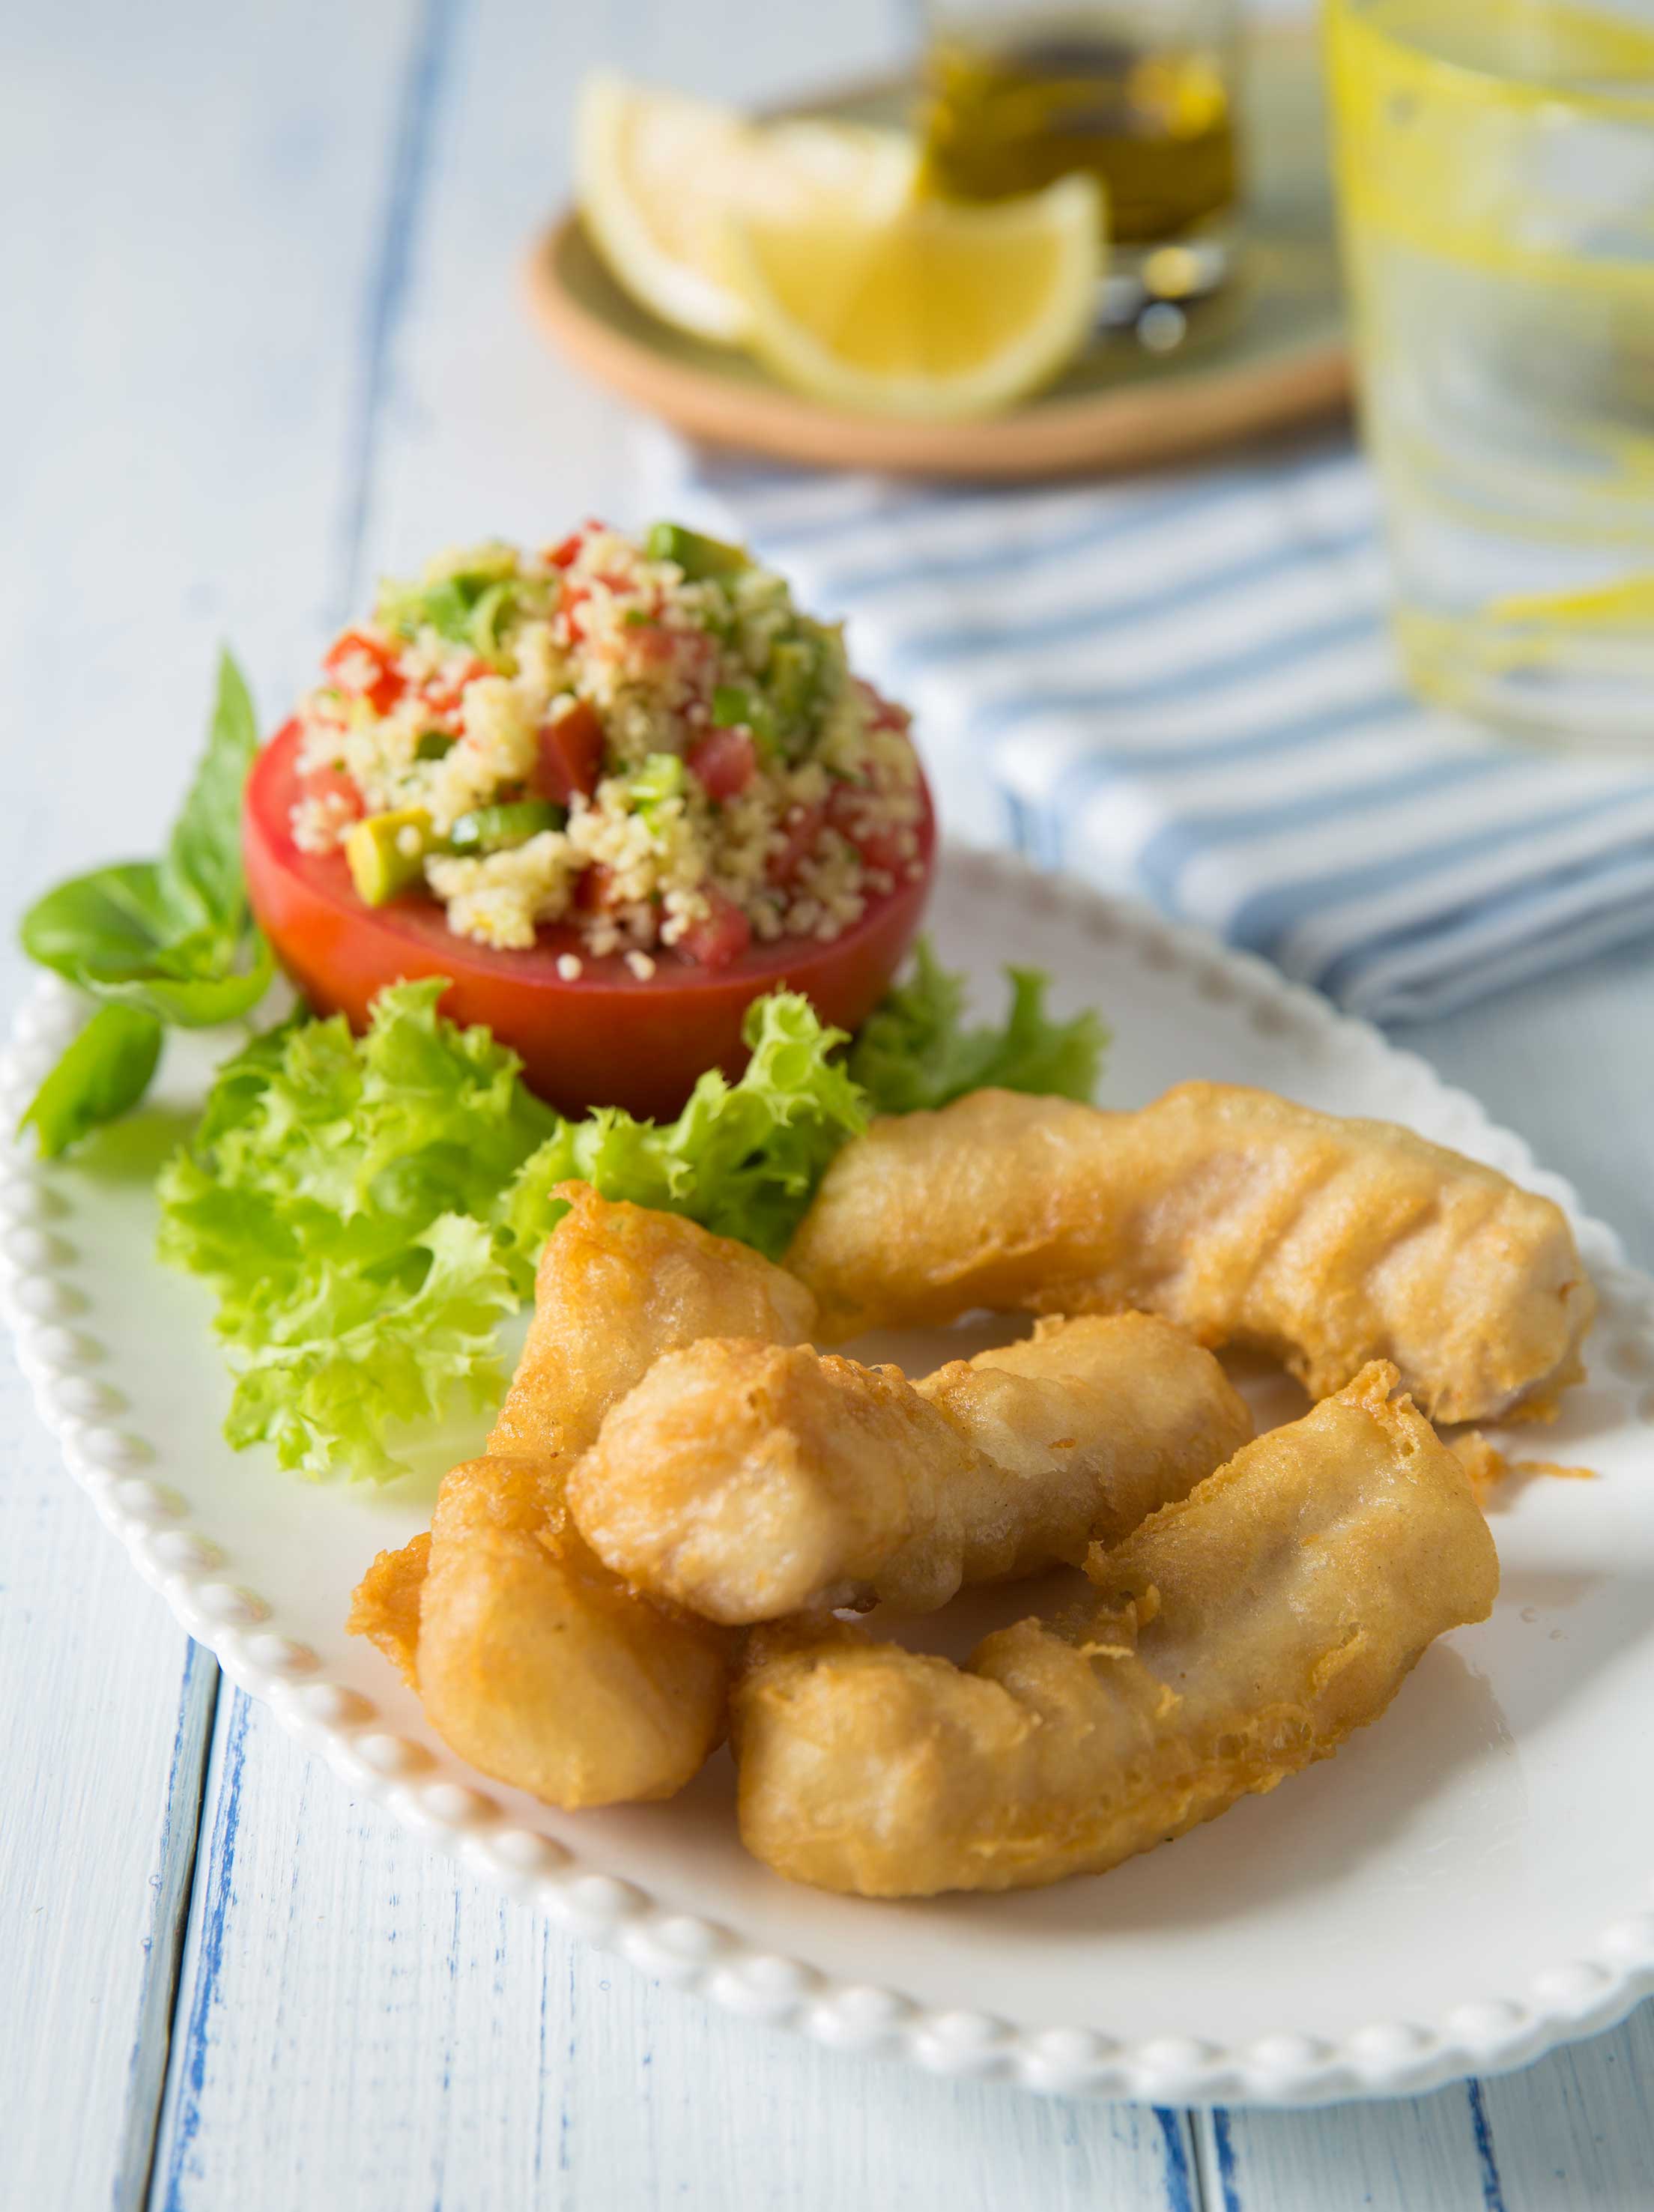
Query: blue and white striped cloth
{"points": [[1182, 686]]}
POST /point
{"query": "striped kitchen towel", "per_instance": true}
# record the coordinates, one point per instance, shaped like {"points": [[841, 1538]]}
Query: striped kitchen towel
{"points": [[1182, 686]]}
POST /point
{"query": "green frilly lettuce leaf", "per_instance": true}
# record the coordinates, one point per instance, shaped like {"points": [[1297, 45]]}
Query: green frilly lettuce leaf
{"points": [[742, 1158], [913, 1053], [367, 1209]]}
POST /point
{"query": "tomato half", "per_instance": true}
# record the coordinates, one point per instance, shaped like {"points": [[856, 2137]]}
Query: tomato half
{"points": [[607, 1038]]}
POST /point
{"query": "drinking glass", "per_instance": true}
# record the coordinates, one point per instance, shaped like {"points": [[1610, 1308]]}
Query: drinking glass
{"points": [[1495, 163]]}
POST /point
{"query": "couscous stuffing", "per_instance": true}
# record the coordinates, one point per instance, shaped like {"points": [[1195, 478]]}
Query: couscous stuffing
{"points": [[642, 738]]}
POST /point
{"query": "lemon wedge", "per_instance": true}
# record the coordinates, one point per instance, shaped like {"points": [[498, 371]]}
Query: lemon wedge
{"points": [[937, 313], [659, 175]]}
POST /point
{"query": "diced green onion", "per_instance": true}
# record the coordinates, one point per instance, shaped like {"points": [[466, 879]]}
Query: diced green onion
{"points": [[733, 709], [662, 776], [484, 628], [698, 556], [496, 829], [793, 680]]}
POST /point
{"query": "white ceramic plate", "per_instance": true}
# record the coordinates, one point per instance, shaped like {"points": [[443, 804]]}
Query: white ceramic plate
{"points": [[1466, 1884]]}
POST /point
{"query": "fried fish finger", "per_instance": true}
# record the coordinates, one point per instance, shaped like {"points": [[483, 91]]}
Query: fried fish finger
{"points": [[617, 1285], [746, 1481], [540, 1668], [530, 1660], [1236, 1638], [1246, 1219]]}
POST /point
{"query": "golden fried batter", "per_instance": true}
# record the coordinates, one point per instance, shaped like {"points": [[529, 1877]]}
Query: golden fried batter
{"points": [[385, 1604], [747, 1482], [532, 1661], [540, 1668], [1246, 1219], [617, 1285], [1236, 1638]]}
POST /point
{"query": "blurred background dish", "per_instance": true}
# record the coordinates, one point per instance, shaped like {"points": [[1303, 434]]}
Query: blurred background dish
{"points": [[1173, 375], [1140, 95]]}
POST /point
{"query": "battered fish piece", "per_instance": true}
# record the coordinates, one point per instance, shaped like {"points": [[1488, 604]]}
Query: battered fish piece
{"points": [[617, 1285], [746, 1481], [540, 1668], [1235, 1639], [1247, 1220], [385, 1604], [532, 1661]]}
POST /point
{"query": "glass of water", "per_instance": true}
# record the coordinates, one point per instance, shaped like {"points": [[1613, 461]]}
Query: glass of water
{"points": [[1496, 179]]}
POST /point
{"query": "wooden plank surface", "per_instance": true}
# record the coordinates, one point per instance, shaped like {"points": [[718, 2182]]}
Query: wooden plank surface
{"points": [[265, 342], [362, 2026], [172, 389], [104, 1709]]}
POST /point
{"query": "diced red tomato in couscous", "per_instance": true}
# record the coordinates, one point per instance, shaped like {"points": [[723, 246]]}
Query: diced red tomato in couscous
{"points": [[643, 738]]}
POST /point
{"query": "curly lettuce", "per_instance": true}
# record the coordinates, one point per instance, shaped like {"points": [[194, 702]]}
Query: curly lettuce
{"points": [[915, 1054], [742, 1158], [341, 1196], [367, 1210]]}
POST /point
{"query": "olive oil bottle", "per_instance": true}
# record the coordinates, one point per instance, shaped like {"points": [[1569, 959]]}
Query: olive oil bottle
{"points": [[1141, 99]]}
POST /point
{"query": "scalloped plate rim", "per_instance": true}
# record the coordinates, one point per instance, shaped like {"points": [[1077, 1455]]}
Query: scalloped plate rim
{"points": [[1279, 2070]]}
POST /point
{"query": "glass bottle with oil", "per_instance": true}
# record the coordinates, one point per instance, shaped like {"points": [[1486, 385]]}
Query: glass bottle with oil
{"points": [[1140, 93]]}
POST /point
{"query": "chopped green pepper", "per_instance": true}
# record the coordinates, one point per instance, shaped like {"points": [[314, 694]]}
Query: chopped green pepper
{"points": [[660, 776], [468, 606], [434, 745], [444, 607], [733, 709], [698, 556], [385, 853], [495, 829], [495, 604], [794, 680]]}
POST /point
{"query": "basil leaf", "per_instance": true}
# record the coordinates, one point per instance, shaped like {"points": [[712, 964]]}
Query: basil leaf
{"points": [[105, 1070], [202, 992], [183, 917], [103, 928], [202, 864], [158, 941], [116, 933]]}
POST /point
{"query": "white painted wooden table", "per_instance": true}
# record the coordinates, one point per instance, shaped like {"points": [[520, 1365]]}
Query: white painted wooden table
{"points": [[257, 271]]}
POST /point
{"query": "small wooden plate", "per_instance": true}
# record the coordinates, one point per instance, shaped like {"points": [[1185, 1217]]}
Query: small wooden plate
{"points": [[1266, 351]]}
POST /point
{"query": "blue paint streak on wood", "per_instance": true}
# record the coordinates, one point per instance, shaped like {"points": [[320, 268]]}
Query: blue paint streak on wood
{"points": [[544, 2029], [417, 112], [1180, 2179], [1223, 2142], [163, 1946], [217, 1895], [1492, 2192], [564, 2114]]}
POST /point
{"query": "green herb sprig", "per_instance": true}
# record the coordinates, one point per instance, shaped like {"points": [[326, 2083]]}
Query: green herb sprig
{"points": [[159, 942]]}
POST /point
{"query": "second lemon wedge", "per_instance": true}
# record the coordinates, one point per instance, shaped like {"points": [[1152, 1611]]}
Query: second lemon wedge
{"points": [[938, 311]]}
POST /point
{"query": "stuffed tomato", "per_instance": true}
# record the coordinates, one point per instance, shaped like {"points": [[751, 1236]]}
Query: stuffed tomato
{"points": [[615, 791]]}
